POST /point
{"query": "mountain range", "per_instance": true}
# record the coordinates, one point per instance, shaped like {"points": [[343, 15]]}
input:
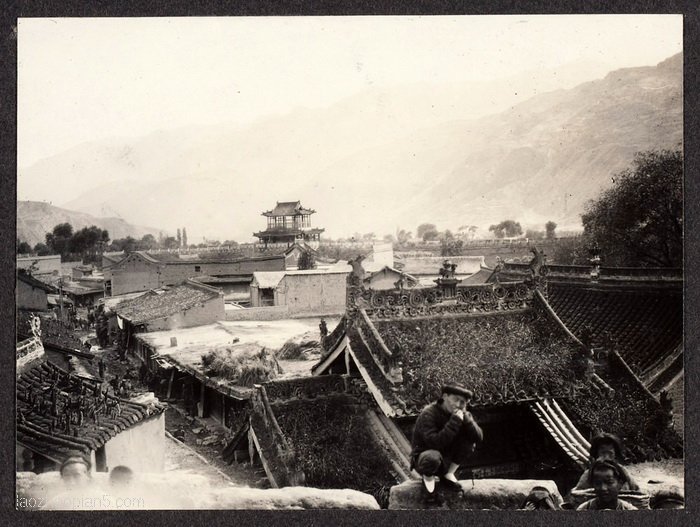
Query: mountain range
{"points": [[471, 154], [36, 218]]}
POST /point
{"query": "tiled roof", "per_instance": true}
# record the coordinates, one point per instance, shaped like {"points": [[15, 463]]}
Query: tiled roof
{"points": [[30, 280], [302, 246], [268, 279], [174, 259], [644, 323], [326, 432], [243, 278], [42, 429], [173, 300], [510, 356], [482, 276], [629, 411], [288, 208]]}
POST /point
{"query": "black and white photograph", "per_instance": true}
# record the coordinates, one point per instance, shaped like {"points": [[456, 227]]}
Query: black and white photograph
{"points": [[350, 262]]}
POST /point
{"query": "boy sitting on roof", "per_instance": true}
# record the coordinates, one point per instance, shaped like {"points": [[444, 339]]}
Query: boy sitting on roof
{"points": [[444, 437], [606, 447], [607, 478]]}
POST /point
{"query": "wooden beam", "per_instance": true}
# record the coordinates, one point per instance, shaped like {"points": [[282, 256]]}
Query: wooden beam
{"points": [[170, 383]]}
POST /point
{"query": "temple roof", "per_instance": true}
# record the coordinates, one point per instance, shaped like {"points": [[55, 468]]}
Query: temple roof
{"points": [[43, 431], [621, 404], [503, 342], [172, 300], [288, 208], [645, 324]]}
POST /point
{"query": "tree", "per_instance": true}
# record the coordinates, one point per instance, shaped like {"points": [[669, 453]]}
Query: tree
{"points": [[447, 235], [368, 237], [451, 247], [549, 228], [571, 251], [639, 220], [58, 240], [184, 237], [170, 243], [179, 238], [403, 236], [389, 238], [128, 245], [424, 228], [42, 249], [23, 247], [507, 228], [532, 234], [306, 261], [148, 242]]}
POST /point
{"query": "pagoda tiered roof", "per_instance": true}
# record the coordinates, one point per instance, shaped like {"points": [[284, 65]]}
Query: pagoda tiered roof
{"points": [[288, 208]]}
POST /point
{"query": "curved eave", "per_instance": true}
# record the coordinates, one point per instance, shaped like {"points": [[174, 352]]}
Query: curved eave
{"points": [[559, 322]]}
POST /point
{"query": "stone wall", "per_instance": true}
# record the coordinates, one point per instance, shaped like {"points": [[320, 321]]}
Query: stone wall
{"points": [[32, 298], [141, 447], [312, 293], [506, 494], [258, 313]]}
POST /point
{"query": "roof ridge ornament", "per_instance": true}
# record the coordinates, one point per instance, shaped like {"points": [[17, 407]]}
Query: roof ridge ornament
{"points": [[538, 270]]}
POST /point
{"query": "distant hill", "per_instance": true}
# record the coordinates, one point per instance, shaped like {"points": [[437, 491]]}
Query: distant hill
{"points": [[36, 218], [379, 161]]}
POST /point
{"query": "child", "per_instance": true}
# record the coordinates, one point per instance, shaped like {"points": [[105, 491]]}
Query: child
{"points": [[606, 446], [607, 478]]}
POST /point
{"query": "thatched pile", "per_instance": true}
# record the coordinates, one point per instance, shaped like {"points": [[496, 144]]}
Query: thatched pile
{"points": [[243, 364]]}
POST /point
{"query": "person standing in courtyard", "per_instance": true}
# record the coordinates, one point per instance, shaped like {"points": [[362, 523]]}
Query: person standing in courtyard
{"points": [[444, 437]]}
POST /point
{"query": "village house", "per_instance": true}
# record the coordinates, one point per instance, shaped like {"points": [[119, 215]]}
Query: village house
{"points": [[32, 293], [175, 358], [235, 287], [40, 265], [142, 271], [295, 251], [109, 258], [83, 292], [183, 305], [309, 292], [288, 223], [60, 414]]}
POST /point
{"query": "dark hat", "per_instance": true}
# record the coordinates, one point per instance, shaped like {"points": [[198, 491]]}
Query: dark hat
{"points": [[457, 389]]}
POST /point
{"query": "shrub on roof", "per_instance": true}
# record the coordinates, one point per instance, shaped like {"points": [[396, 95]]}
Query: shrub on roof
{"points": [[244, 365], [334, 447], [507, 357]]}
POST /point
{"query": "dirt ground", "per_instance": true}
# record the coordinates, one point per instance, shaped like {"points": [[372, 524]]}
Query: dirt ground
{"points": [[239, 473]]}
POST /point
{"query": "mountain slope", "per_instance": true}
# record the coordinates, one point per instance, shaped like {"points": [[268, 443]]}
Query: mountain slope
{"points": [[35, 219], [373, 162]]}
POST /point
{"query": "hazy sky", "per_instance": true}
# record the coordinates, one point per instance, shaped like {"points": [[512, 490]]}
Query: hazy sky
{"points": [[85, 79]]}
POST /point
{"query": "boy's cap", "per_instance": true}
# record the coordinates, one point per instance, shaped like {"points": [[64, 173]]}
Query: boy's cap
{"points": [[606, 464], [457, 389]]}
